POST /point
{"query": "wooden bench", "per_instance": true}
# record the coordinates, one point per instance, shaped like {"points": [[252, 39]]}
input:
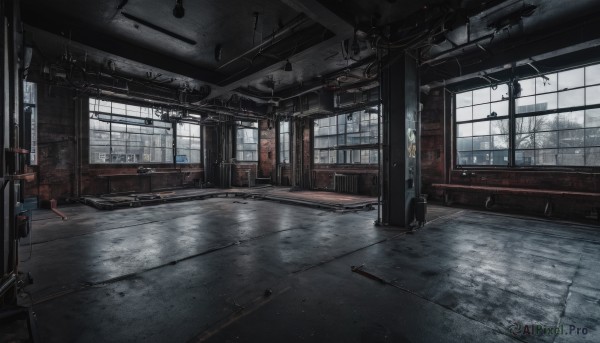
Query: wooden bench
{"points": [[592, 198]]}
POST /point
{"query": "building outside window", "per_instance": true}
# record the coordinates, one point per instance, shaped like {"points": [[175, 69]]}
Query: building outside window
{"points": [[30, 106], [121, 133], [482, 126], [349, 138], [188, 143], [284, 142], [247, 141], [556, 122]]}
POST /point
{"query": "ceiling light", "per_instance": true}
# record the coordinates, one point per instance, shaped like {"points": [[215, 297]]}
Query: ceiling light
{"points": [[178, 10], [288, 66]]}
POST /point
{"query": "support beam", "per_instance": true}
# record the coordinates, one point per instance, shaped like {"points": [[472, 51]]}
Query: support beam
{"points": [[78, 32], [338, 30], [322, 15], [11, 160], [400, 92], [570, 38]]}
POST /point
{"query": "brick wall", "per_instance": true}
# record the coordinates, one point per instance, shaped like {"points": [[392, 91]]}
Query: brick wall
{"points": [[267, 150], [323, 176], [432, 139], [56, 169], [61, 176]]}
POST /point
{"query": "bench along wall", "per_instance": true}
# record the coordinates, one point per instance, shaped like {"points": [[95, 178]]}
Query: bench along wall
{"points": [[438, 168]]}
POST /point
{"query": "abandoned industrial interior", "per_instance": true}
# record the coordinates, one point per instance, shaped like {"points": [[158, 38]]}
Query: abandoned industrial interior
{"points": [[300, 171]]}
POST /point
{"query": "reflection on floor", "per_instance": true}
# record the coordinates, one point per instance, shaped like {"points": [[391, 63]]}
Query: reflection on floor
{"points": [[226, 269], [318, 199]]}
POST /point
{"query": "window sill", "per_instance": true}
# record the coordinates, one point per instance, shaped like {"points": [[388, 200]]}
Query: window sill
{"points": [[588, 170]]}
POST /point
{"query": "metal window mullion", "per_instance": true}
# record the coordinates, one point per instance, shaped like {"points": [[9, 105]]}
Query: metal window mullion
{"points": [[584, 103], [511, 126]]}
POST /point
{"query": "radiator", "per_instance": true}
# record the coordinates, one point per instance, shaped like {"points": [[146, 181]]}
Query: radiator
{"points": [[345, 183]]}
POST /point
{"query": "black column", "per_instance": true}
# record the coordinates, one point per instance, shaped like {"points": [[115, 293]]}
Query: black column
{"points": [[400, 104], [11, 165]]}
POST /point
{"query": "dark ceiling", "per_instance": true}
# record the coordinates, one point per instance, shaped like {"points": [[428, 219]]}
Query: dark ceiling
{"points": [[242, 46]]}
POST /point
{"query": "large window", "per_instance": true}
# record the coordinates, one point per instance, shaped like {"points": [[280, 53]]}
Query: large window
{"points": [[482, 126], [30, 106], [247, 141], [188, 143], [121, 133], [349, 138], [556, 122], [284, 142]]}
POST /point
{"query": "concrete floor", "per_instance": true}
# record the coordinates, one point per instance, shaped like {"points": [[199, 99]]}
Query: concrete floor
{"points": [[231, 270]]}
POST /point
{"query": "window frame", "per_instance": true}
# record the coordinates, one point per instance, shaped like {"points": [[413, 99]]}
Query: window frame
{"points": [[247, 125], [284, 147], [31, 101], [338, 141], [111, 118], [179, 137], [514, 116]]}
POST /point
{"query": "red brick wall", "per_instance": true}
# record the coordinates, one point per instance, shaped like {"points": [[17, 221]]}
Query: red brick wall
{"points": [[267, 150], [93, 183], [367, 177], [432, 139], [58, 170], [432, 152], [307, 160], [239, 174]]}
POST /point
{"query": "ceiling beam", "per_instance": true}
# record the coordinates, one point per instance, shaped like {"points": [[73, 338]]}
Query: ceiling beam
{"points": [[526, 49], [80, 33], [497, 51], [322, 15], [338, 29]]}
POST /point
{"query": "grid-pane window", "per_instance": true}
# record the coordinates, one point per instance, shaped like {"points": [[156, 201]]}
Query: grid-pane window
{"points": [[349, 138], [284, 142], [482, 136], [30, 106], [556, 122], [247, 141], [121, 133], [189, 144]]}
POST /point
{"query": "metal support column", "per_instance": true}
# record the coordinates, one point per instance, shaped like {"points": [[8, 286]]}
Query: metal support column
{"points": [[400, 103], [12, 163]]}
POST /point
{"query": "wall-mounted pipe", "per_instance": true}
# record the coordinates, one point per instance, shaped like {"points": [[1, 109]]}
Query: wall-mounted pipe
{"points": [[276, 37]]}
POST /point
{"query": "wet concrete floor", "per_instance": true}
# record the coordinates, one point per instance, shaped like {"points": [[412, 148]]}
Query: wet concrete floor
{"points": [[232, 270]]}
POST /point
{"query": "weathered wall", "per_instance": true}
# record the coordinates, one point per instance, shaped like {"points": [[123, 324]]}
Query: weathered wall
{"points": [[432, 139], [56, 169], [323, 176], [242, 172], [63, 170], [433, 169], [267, 150]]}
